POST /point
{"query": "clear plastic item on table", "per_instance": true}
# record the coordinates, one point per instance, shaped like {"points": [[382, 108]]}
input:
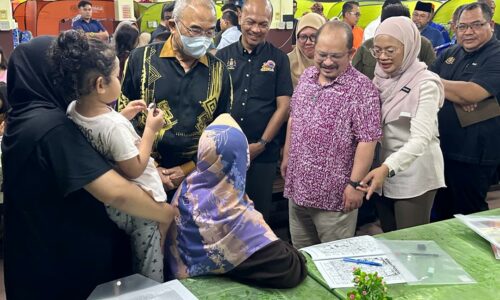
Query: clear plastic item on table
{"points": [[138, 287], [430, 264]]}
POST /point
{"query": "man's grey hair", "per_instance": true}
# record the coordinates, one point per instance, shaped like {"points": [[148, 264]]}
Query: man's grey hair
{"points": [[181, 5]]}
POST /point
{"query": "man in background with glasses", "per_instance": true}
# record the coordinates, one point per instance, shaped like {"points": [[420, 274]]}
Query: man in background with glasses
{"points": [[469, 121], [351, 15], [191, 86], [422, 16], [332, 131], [262, 90]]}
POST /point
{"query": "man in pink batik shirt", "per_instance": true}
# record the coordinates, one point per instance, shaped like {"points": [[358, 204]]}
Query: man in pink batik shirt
{"points": [[333, 128]]}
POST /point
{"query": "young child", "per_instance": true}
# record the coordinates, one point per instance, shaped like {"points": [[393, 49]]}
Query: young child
{"points": [[88, 69]]}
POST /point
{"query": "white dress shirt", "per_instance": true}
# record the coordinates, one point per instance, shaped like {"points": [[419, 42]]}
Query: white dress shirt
{"points": [[229, 36], [410, 147]]}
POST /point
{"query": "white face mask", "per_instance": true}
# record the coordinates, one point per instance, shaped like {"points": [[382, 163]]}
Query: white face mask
{"points": [[195, 46]]}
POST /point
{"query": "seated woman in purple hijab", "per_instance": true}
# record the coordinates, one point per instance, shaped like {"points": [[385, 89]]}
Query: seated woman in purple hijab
{"points": [[218, 230]]}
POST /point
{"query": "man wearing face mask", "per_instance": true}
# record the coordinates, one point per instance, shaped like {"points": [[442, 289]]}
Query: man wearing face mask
{"points": [[190, 85]]}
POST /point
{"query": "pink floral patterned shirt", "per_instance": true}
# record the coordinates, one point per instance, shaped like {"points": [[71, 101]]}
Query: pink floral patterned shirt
{"points": [[328, 122]]}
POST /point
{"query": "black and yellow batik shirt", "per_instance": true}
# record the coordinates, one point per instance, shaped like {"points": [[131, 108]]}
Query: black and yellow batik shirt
{"points": [[190, 100]]}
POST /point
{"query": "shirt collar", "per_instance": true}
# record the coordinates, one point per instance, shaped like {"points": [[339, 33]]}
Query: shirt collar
{"points": [[255, 51], [232, 28], [167, 51]]}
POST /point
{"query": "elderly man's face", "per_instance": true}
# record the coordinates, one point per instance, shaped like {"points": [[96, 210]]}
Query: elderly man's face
{"points": [[194, 21], [421, 18], [255, 22], [472, 30], [331, 55]]}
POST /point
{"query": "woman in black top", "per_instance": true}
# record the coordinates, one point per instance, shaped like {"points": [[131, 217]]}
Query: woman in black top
{"points": [[59, 242]]}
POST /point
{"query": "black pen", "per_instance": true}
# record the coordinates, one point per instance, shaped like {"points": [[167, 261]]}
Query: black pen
{"points": [[418, 254]]}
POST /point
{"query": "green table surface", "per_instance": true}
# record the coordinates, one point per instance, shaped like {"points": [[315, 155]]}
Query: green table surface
{"points": [[222, 288], [468, 249]]}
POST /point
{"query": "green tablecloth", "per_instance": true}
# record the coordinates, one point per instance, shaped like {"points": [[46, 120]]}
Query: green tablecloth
{"points": [[470, 250], [221, 288]]}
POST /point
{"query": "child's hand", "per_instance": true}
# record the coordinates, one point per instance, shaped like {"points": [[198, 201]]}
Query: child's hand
{"points": [[155, 120], [133, 108]]}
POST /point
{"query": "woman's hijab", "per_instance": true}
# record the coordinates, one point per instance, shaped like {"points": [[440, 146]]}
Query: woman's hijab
{"points": [[218, 227], [396, 89], [298, 60], [36, 104]]}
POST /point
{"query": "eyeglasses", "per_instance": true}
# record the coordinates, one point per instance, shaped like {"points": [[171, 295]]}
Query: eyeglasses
{"points": [[322, 56], [303, 38], [195, 32], [389, 52], [462, 27], [357, 14]]}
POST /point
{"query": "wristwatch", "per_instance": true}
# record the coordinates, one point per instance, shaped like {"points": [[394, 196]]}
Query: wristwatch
{"points": [[354, 184], [391, 173], [263, 142]]}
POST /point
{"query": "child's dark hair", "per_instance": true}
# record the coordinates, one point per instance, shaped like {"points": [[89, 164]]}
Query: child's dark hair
{"points": [[78, 61]]}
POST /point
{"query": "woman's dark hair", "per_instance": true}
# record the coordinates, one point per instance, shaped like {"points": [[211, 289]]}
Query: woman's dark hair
{"points": [[3, 62], [126, 39], [394, 10], [78, 61]]}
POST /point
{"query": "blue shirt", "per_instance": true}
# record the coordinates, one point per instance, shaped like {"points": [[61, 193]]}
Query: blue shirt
{"points": [[440, 49], [433, 35], [440, 28], [91, 26]]}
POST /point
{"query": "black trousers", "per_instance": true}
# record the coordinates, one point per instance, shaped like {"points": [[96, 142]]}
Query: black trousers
{"points": [[277, 265], [467, 186], [259, 186]]}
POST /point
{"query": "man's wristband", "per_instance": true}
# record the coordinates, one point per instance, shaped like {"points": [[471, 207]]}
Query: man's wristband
{"points": [[354, 184], [263, 142]]}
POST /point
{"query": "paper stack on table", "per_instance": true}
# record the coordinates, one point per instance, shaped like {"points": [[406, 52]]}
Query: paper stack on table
{"points": [[364, 252], [486, 226], [406, 261]]}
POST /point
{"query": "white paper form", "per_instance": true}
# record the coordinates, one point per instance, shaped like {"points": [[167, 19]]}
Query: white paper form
{"points": [[338, 273], [351, 247]]}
